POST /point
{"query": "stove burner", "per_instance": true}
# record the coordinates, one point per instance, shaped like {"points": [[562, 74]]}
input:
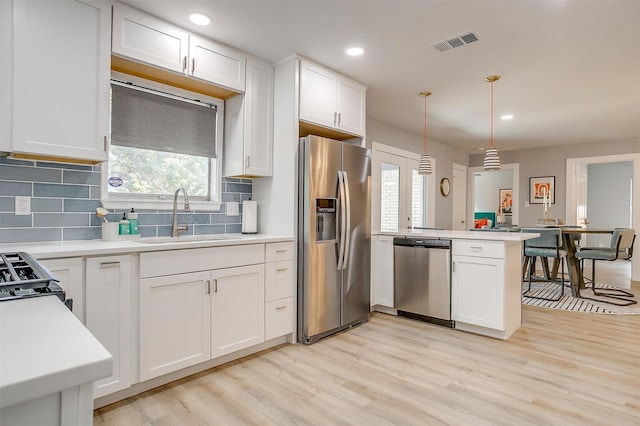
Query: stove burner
{"points": [[22, 276]]}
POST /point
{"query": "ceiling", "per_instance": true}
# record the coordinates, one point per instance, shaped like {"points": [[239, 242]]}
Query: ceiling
{"points": [[570, 69]]}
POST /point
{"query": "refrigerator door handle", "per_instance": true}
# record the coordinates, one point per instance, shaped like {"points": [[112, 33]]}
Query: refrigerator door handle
{"points": [[347, 233], [342, 215]]}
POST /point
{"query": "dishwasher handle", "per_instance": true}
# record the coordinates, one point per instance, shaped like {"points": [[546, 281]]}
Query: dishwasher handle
{"points": [[422, 242]]}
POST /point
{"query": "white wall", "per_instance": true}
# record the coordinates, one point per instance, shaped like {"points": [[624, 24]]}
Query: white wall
{"points": [[608, 198]]}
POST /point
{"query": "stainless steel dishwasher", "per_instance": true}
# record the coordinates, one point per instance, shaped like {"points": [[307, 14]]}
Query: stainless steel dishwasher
{"points": [[422, 279]]}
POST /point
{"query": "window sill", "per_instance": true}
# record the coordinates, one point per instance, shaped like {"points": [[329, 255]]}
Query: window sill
{"points": [[196, 205]]}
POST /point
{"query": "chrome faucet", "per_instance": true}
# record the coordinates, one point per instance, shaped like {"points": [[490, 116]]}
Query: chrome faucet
{"points": [[175, 228]]}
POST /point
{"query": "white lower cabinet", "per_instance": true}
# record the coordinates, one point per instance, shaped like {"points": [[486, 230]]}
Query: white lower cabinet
{"points": [[382, 271], [237, 309], [280, 281], [477, 291], [108, 316], [485, 287], [69, 274], [175, 323]]}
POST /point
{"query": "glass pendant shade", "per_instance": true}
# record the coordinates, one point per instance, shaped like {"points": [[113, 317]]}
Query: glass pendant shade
{"points": [[491, 160], [424, 166]]}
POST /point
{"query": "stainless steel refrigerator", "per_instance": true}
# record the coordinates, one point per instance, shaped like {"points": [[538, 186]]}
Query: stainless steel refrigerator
{"points": [[334, 237]]}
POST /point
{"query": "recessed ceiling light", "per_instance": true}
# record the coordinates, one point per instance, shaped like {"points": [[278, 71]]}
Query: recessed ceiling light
{"points": [[355, 51], [507, 117], [199, 18]]}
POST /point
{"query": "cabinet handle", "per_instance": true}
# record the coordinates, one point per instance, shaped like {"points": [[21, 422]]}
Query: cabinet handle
{"points": [[106, 143], [109, 264], [335, 118], [247, 161], [339, 118], [476, 248], [193, 65], [453, 266], [208, 287], [281, 269], [184, 65], [279, 308], [215, 285], [282, 251]]}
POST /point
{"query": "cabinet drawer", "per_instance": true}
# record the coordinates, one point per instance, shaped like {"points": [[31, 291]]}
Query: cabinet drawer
{"points": [[477, 248], [170, 262], [275, 252], [278, 318], [280, 279]]}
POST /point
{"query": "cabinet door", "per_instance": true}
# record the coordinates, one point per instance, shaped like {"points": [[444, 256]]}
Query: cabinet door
{"points": [[174, 323], [477, 291], [318, 95], [384, 271], [61, 79], [279, 318], [351, 106], [69, 272], [6, 29], [108, 316], [144, 38], [216, 63], [258, 137], [237, 309]]}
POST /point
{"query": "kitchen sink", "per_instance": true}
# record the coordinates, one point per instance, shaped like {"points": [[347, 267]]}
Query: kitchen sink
{"points": [[187, 239]]}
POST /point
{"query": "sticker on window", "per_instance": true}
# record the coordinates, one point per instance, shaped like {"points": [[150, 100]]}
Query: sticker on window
{"points": [[115, 181]]}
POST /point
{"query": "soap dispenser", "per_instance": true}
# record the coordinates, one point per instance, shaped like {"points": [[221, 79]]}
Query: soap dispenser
{"points": [[133, 221]]}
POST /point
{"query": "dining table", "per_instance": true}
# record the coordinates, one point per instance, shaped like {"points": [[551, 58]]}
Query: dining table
{"points": [[569, 234]]}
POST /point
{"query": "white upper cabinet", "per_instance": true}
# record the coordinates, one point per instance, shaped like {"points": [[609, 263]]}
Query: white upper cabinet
{"points": [[60, 105], [331, 100], [249, 124], [6, 12], [152, 41]]}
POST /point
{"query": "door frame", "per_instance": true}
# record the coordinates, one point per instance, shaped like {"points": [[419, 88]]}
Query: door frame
{"points": [[455, 196], [515, 194], [377, 147], [572, 187]]}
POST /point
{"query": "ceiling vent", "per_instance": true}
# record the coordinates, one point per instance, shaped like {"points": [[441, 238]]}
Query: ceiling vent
{"points": [[457, 41]]}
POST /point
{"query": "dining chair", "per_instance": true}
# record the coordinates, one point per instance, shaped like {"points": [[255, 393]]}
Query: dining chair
{"points": [[622, 241], [547, 245]]}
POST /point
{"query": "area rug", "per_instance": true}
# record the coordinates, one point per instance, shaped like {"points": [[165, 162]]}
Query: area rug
{"points": [[570, 303]]}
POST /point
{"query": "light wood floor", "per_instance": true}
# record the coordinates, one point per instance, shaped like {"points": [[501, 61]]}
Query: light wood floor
{"points": [[559, 368]]}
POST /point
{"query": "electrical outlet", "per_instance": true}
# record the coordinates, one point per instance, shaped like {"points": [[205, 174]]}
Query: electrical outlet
{"points": [[233, 208], [23, 206]]}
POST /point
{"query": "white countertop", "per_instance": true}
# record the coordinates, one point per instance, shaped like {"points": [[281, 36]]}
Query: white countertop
{"points": [[44, 349], [59, 249], [462, 235]]}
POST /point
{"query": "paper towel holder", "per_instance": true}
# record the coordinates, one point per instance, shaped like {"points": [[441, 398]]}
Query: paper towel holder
{"points": [[249, 217]]}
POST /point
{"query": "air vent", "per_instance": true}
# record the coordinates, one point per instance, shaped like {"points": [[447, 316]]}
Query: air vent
{"points": [[457, 41]]}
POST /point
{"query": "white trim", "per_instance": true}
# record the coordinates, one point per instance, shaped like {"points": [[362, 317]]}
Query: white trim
{"points": [[515, 212], [571, 189]]}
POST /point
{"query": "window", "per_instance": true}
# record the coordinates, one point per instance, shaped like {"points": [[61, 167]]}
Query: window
{"points": [[162, 138], [401, 197]]}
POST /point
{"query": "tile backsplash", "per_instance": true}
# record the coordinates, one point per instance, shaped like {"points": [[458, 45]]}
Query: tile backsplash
{"points": [[64, 198]]}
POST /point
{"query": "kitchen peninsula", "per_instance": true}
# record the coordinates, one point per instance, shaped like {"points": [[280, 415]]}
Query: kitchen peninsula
{"points": [[485, 277]]}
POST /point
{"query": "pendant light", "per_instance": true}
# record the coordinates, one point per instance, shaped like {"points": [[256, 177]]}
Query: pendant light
{"points": [[424, 166], [491, 159]]}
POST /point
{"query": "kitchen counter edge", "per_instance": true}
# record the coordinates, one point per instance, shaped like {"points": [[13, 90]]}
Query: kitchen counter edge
{"points": [[63, 249], [460, 235]]}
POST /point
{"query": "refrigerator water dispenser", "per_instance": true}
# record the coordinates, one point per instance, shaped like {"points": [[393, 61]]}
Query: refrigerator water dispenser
{"points": [[326, 219]]}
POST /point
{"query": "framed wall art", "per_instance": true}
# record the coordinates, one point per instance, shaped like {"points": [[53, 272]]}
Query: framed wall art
{"points": [[542, 189], [506, 201]]}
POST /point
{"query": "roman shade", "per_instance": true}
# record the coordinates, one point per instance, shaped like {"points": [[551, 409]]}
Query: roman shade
{"points": [[146, 119]]}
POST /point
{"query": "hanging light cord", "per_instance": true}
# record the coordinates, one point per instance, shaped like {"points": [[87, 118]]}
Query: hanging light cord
{"points": [[425, 124], [491, 141]]}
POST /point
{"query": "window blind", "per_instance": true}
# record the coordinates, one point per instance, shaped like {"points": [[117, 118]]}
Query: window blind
{"points": [[144, 119]]}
